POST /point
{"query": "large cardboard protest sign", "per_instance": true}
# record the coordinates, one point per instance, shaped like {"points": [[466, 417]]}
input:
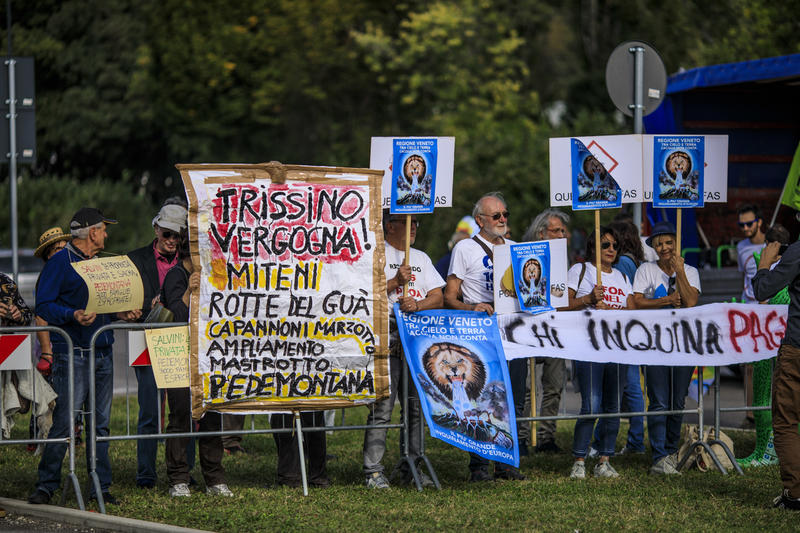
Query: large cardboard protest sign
{"points": [[510, 284], [707, 335], [114, 284], [457, 364], [402, 160], [291, 312]]}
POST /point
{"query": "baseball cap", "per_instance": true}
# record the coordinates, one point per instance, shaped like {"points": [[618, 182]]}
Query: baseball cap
{"points": [[88, 216]]}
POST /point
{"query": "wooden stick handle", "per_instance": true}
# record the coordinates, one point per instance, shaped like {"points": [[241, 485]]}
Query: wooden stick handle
{"points": [[408, 249], [597, 263], [678, 231]]}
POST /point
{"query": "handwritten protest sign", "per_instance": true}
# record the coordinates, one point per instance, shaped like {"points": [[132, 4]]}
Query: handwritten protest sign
{"points": [[439, 164], [169, 356], [114, 284], [506, 280], [678, 171], [461, 374], [706, 335], [291, 312]]}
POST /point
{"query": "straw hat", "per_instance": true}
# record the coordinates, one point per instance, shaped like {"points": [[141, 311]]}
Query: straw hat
{"points": [[49, 237]]}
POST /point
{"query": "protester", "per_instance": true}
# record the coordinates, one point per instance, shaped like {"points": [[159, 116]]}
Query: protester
{"points": [[153, 261], [50, 242], [549, 224], [61, 299], [753, 228], [13, 309], [176, 292], [598, 382], [667, 283], [470, 287], [786, 377], [314, 445], [424, 292]]}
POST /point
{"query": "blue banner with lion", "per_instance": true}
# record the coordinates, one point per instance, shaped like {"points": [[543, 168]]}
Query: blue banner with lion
{"points": [[457, 363]]}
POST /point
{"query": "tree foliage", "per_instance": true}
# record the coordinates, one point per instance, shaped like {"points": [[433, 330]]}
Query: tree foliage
{"points": [[126, 89]]}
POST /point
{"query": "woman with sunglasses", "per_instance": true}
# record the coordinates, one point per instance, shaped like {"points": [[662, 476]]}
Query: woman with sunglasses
{"points": [[666, 283], [598, 382]]}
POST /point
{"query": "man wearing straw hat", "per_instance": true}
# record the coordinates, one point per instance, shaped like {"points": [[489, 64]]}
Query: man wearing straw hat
{"points": [[153, 261], [61, 299]]}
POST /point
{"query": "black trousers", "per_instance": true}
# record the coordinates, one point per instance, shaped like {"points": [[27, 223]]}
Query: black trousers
{"points": [[314, 445]]}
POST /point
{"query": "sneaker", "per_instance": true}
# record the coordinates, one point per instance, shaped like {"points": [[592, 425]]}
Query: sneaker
{"points": [[377, 480], [783, 501], [146, 484], [547, 447], [604, 469], [664, 466], [39, 497], [627, 450], [179, 490], [479, 475], [578, 470], [593, 453], [512, 474], [220, 489]]}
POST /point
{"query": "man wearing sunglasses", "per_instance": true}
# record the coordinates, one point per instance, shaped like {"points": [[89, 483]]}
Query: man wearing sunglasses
{"points": [[470, 287], [752, 227], [153, 261]]}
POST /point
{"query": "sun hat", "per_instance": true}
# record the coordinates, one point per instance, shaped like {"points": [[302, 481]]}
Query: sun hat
{"points": [[661, 228], [48, 238], [171, 217]]}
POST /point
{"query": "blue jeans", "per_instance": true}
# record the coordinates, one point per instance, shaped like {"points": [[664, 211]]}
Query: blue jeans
{"points": [[53, 456], [632, 401], [147, 449], [599, 387], [666, 389]]}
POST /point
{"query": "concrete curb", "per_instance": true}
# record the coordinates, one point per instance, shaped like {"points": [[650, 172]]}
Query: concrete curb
{"points": [[88, 519]]}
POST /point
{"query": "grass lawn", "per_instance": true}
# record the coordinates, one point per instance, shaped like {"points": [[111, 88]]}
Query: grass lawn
{"points": [[548, 500]]}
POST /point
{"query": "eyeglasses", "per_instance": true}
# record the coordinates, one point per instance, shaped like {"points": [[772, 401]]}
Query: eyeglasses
{"points": [[560, 231], [414, 223], [608, 244], [497, 216], [748, 223]]}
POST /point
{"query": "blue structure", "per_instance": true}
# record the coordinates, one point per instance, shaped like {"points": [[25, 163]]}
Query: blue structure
{"points": [[757, 104]]}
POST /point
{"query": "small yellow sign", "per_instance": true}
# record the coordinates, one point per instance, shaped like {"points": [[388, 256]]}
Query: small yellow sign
{"points": [[169, 356], [114, 284]]}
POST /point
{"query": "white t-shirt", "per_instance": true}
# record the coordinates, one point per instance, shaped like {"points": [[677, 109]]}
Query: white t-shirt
{"points": [[473, 267], [617, 287], [424, 278], [747, 264], [654, 283]]}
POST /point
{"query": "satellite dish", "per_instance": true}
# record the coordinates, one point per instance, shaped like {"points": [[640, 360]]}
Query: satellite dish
{"points": [[620, 76]]}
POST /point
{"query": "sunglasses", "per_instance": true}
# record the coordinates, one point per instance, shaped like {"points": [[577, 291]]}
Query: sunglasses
{"points": [[497, 216], [748, 224], [671, 287], [167, 234], [606, 245]]}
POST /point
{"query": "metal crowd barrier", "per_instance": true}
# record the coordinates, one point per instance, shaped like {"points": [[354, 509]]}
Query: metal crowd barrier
{"points": [[70, 441], [93, 438]]}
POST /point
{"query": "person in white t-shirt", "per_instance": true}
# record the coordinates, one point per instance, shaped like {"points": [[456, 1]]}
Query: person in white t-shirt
{"points": [[752, 226], [599, 383], [666, 283], [424, 292], [470, 287]]}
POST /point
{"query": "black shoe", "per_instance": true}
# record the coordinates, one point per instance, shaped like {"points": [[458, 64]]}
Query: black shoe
{"points": [[547, 447], [320, 482], [512, 474], [39, 497], [146, 484], [192, 481], [481, 474], [108, 499], [781, 502]]}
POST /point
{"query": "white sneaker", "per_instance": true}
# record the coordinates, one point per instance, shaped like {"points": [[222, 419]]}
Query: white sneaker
{"points": [[377, 480], [219, 490], [578, 470], [179, 490], [604, 469], [664, 466]]}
